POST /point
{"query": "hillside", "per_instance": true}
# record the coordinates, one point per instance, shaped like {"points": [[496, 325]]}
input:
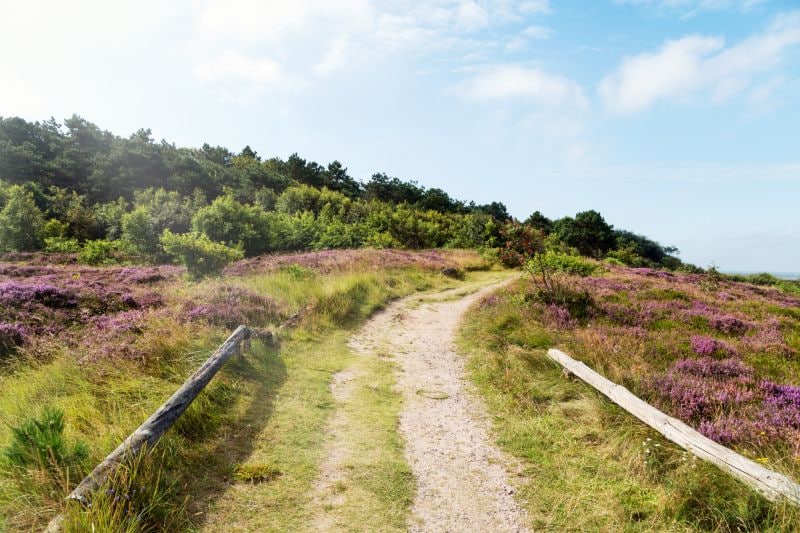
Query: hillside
{"points": [[76, 189]]}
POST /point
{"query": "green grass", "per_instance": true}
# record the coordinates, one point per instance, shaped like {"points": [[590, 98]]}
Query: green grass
{"points": [[587, 465], [268, 411]]}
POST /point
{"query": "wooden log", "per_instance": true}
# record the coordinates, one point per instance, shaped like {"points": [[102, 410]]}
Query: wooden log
{"points": [[159, 422], [772, 485]]}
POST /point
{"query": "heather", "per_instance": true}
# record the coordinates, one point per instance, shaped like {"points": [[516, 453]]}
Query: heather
{"points": [[97, 349], [719, 354]]}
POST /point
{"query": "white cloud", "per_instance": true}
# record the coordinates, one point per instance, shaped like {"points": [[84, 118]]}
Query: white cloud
{"points": [[273, 20], [531, 33], [499, 82], [324, 35], [242, 77], [471, 16], [692, 7], [696, 65]]}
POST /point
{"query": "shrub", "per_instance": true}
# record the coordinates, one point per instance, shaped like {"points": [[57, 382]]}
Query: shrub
{"points": [[201, 256], [40, 443], [521, 244], [627, 256], [98, 252], [61, 245], [569, 264], [20, 222], [228, 221], [579, 304], [139, 232]]}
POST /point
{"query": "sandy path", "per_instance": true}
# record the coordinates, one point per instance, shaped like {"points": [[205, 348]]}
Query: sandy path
{"points": [[461, 476]]}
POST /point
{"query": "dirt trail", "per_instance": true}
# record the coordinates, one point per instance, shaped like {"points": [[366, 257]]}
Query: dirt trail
{"points": [[461, 477]]}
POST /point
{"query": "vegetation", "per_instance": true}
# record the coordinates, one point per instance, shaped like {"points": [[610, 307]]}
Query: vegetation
{"points": [[198, 253], [722, 356], [100, 348], [87, 352], [74, 188]]}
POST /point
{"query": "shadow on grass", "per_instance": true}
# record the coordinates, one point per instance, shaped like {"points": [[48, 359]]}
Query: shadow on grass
{"points": [[236, 439]]}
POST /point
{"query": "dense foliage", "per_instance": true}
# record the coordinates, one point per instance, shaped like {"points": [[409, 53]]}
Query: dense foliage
{"points": [[74, 188]]}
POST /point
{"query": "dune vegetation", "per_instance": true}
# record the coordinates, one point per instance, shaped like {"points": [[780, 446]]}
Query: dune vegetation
{"points": [[719, 354], [125, 262], [104, 346]]}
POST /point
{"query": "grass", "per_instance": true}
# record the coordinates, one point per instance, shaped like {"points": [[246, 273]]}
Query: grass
{"points": [[587, 465], [377, 482], [257, 430]]}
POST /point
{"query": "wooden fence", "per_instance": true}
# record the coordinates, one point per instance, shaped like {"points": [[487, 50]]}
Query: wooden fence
{"points": [[774, 486], [160, 421]]}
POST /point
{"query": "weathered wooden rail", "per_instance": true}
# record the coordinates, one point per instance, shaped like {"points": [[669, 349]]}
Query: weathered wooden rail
{"points": [[160, 421], [774, 486]]}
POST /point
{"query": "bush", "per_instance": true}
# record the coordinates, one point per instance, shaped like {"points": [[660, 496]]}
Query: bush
{"points": [[39, 443], [61, 245], [139, 232], [99, 252], [627, 256], [201, 256], [226, 220], [569, 264], [521, 244], [20, 222], [579, 304]]}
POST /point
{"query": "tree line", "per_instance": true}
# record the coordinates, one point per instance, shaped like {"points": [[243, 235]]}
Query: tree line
{"points": [[72, 187]]}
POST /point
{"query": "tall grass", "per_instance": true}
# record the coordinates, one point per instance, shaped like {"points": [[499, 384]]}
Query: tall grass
{"points": [[104, 398], [588, 465]]}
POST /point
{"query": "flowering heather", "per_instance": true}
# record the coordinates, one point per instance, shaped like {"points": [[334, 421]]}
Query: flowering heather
{"points": [[124, 322], [603, 286], [684, 348], [559, 317], [713, 368], [718, 320], [699, 389], [339, 260], [489, 301], [20, 294], [706, 346], [781, 395], [767, 338], [231, 306]]}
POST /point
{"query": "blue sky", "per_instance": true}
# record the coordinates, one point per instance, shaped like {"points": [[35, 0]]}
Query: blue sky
{"points": [[678, 119]]}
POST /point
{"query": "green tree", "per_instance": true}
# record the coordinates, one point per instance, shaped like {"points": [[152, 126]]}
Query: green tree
{"points": [[228, 221], [497, 210], [539, 221], [139, 233], [21, 222], [588, 232]]}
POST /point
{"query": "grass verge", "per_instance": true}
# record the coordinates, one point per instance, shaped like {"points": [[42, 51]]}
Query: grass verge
{"points": [[588, 466]]}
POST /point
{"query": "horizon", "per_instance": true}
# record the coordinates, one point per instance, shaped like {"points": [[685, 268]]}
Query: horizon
{"points": [[676, 119]]}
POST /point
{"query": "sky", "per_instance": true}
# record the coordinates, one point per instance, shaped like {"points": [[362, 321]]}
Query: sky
{"points": [[677, 119]]}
